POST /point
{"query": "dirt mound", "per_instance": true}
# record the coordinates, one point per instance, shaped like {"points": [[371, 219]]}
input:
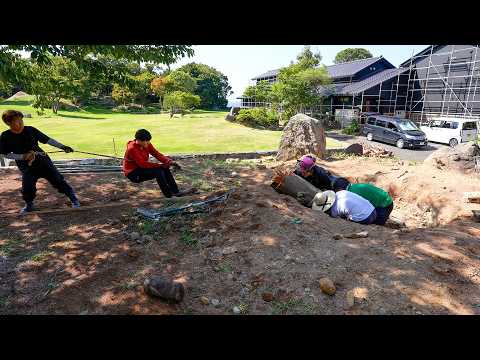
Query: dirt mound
{"points": [[17, 95], [461, 158], [302, 135], [367, 149]]}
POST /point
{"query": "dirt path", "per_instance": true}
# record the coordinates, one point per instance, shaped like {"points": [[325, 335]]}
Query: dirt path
{"points": [[262, 244]]}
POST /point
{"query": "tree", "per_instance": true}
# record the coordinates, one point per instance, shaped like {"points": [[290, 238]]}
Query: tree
{"points": [[86, 55], [122, 94], [351, 54], [212, 85], [298, 84], [158, 86], [105, 64], [262, 92], [58, 79], [180, 101], [180, 81], [308, 59]]}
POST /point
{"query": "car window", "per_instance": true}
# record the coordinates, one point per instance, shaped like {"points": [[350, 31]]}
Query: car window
{"points": [[447, 124], [454, 125], [436, 123], [391, 126], [371, 121], [469, 125], [407, 125], [381, 123]]}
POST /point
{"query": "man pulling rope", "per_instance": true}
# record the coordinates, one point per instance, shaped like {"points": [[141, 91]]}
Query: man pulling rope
{"points": [[20, 143]]}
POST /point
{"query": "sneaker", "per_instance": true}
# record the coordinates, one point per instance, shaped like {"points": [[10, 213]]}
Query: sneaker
{"points": [[186, 192], [27, 209], [75, 204]]}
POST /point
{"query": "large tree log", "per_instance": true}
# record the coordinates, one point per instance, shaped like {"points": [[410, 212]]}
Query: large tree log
{"points": [[303, 135], [296, 187]]}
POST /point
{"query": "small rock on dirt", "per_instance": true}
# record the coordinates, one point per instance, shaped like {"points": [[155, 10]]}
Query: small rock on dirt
{"points": [[267, 296], [261, 167], [236, 310], [327, 286], [146, 238], [215, 302], [204, 300], [229, 250], [337, 236], [134, 236], [357, 235], [350, 298]]}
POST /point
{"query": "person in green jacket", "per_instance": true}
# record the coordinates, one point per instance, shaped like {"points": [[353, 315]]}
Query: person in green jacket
{"points": [[379, 198]]}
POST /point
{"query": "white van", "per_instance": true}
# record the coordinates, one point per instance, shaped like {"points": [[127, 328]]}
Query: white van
{"points": [[449, 130]]}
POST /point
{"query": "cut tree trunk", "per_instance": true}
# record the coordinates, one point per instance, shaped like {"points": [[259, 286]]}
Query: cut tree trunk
{"points": [[298, 188], [303, 135]]}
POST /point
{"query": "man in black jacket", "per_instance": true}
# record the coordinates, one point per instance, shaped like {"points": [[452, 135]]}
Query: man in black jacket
{"points": [[20, 143]]}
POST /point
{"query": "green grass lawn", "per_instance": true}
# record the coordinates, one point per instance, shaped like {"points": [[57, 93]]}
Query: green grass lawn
{"points": [[93, 130]]}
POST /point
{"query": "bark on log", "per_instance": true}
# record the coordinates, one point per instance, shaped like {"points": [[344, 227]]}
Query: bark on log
{"points": [[294, 185]]}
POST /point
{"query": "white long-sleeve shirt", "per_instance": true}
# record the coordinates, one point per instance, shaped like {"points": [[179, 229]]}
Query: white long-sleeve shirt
{"points": [[351, 206]]}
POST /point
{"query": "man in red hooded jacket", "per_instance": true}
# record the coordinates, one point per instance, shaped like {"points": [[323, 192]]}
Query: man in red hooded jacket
{"points": [[137, 168]]}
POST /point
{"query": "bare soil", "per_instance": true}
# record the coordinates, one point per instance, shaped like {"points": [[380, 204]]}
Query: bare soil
{"points": [[263, 252]]}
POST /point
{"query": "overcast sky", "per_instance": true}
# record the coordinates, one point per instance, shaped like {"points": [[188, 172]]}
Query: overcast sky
{"points": [[242, 62]]}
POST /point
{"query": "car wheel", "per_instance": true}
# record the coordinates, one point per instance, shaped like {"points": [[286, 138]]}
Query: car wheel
{"points": [[453, 142], [369, 136], [400, 143]]}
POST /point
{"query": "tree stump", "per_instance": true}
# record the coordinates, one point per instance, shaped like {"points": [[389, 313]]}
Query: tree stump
{"points": [[303, 135]]}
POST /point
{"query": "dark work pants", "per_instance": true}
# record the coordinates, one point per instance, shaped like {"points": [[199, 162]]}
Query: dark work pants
{"points": [[370, 219], [383, 214], [43, 167], [164, 178]]}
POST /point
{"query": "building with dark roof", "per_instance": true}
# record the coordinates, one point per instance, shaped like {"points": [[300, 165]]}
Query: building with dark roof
{"points": [[439, 80]]}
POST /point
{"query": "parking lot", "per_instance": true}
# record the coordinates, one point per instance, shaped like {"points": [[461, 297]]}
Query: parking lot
{"points": [[404, 154]]}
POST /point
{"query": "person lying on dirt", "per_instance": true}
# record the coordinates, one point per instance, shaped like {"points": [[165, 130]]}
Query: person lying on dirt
{"points": [[346, 205], [137, 168], [379, 198], [20, 143], [314, 174]]}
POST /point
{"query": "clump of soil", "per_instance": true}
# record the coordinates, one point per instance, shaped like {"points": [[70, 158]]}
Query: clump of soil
{"points": [[460, 158]]}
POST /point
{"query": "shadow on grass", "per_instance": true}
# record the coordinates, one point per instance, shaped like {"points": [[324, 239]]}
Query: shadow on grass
{"points": [[81, 117], [17, 103]]}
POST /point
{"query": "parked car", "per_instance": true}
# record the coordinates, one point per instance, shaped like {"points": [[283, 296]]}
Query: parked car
{"points": [[393, 130], [452, 131]]}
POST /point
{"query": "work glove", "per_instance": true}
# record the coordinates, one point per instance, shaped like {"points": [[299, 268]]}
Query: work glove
{"points": [[67, 149], [30, 157]]}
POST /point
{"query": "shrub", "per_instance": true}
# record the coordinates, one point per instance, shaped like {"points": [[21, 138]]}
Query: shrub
{"points": [[136, 109], [352, 129], [258, 117]]}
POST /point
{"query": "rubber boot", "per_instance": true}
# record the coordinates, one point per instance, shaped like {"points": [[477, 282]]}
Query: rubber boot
{"points": [[27, 208]]}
